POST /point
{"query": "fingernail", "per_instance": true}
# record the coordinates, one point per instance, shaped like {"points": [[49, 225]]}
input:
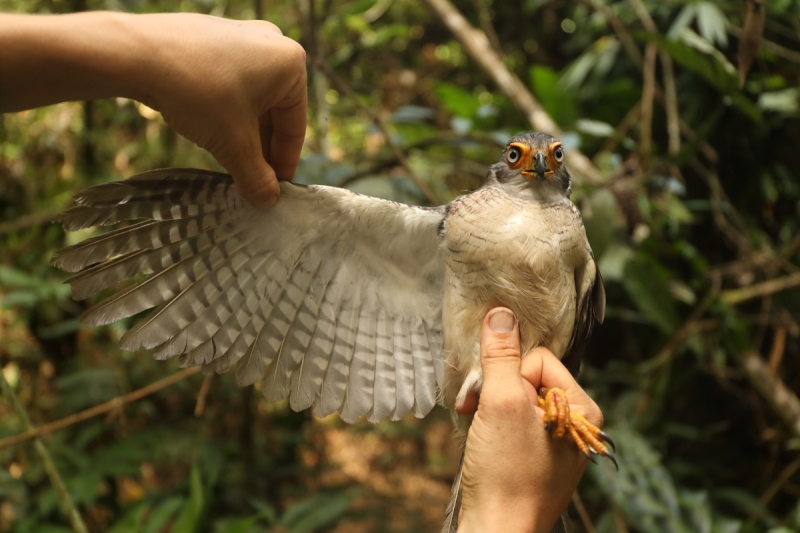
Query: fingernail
{"points": [[269, 202], [502, 320]]}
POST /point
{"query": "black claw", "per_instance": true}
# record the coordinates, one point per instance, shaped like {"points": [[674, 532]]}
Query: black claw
{"points": [[604, 436], [606, 454], [549, 427]]}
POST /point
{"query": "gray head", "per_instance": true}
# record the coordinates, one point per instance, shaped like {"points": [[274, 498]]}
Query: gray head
{"points": [[532, 162]]}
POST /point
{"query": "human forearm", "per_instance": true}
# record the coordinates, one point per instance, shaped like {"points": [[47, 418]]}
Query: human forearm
{"points": [[236, 88], [55, 58]]}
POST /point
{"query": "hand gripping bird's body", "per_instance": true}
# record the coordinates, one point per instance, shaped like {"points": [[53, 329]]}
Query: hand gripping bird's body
{"points": [[343, 302]]}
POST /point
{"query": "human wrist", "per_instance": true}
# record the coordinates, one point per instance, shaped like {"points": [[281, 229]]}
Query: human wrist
{"points": [[512, 515]]}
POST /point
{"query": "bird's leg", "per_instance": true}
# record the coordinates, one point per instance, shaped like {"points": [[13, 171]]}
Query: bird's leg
{"points": [[559, 420]]}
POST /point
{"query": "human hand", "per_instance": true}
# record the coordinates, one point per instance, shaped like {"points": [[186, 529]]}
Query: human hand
{"points": [[235, 88], [516, 477]]}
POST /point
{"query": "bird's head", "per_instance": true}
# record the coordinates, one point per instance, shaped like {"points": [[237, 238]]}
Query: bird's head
{"points": [[535, 162]]}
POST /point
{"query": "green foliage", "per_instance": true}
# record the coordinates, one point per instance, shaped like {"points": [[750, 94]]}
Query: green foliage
{"points": [[700, 447]]}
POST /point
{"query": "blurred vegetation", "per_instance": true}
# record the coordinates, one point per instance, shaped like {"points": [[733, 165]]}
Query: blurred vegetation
{"points": [[693, 214]]}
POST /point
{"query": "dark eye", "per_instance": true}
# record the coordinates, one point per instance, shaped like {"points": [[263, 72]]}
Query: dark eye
{"points": [[558, 153], [513, 155]]}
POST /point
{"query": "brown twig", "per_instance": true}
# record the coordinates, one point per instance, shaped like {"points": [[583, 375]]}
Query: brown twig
{"points": [[778, 348], [110, 405], [670, 92], [648, 90], [64, 498], [775, 48], [691, 325], [623, 128], [480, 50], [343, 87], [779, 482], [619, 28], [485, 20], [735, 296], [200, 406]]}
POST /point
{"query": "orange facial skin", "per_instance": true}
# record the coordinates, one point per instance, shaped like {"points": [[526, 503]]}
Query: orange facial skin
{"points": [[528, 156]]}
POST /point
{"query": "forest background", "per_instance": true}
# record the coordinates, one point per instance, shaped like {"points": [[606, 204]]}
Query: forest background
{"points": [[682, 122]]}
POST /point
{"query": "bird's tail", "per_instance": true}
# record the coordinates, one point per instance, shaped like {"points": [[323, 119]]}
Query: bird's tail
{"points": [[562, 524], [453, 508]]}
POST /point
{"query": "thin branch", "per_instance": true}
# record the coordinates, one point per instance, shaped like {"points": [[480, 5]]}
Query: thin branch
{"points": [[485, 20], [778, 348], [619, 28], [623, 128], [648, 90], [671, 105], [64, 498], [775, 48], [477, 46], [200, 406], [779, 482], [319, 83], [110, 405], [343, 87], [784, 402], [670, 92], [735, 296], [691, 325]]}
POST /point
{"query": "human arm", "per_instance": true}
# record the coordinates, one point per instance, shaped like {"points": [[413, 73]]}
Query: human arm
{"points": [[236, 88], [516, 477]]}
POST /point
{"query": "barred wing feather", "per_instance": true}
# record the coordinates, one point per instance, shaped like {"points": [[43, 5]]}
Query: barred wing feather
{"points": [[330, 298]]}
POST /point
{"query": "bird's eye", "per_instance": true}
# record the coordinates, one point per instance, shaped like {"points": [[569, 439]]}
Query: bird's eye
{"points": [[513, 155], [558, 153]]}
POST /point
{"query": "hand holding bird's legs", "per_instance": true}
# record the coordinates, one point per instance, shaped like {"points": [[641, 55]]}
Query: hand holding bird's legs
{"points": [[515, 476], [560, 420]]}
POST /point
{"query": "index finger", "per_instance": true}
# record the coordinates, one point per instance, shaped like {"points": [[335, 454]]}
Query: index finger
{"points": [[288, 135]]}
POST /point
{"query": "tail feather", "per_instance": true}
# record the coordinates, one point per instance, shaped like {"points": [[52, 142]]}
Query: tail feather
{"points": [[454, 507]]}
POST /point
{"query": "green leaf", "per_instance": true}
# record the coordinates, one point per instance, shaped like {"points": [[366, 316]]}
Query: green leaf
{"points": [[317, 511], [559, 103], [131, 522], [242, 526], [647, 286], [698, 55], [162, 514], [189, 518], [456, 100]]}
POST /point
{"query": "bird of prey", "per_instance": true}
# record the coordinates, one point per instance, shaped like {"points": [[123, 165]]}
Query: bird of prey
{"points": [[344, 302]]}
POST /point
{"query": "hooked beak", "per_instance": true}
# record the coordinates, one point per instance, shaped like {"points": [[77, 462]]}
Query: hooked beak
{"points": [[540, 168], [540, 165]]}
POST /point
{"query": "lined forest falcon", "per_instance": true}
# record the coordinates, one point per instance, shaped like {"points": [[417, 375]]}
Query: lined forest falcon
{"points": [[344, 302]]}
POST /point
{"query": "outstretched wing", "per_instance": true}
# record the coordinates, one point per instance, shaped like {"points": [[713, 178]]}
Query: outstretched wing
{"points": [[330, 298]]}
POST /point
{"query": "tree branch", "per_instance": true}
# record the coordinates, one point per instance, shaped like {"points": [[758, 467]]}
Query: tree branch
{"points": [[64, 498], [783, 401], [735, 296], [343, 87], [480, 50], [110, 405]]}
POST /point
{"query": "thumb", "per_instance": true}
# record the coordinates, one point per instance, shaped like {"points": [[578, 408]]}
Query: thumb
{"points": [[255, 178], [500, 350]]}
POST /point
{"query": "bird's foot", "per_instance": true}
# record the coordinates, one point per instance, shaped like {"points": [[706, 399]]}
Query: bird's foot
{"points": [[559, 420]]}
